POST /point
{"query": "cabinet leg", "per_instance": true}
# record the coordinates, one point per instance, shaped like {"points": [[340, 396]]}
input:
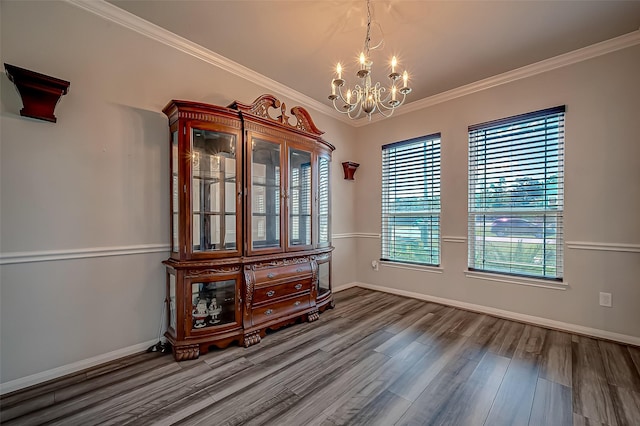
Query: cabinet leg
{"points": [[182, 353], [251, 338], [313, 315]]}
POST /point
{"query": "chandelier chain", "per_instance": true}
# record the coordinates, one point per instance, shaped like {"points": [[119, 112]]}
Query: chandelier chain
{"points": [[367, 40]]}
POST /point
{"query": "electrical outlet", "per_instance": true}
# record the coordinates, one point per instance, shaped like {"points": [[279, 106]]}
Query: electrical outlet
{"points": [[375, 265], [605, 299]]}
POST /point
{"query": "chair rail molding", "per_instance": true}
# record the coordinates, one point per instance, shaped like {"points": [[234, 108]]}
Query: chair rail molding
{"points": [[589, 245], [453, 239], [81, 253], [355, 235]]}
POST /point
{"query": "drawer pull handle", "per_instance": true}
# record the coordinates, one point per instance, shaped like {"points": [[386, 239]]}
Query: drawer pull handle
{"points": [[271, 275], [297, 303], [299, 270], [271, 293], [268, 312], [298, 286]]}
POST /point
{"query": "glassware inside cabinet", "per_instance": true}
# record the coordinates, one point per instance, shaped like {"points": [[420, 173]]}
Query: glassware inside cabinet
{"points": [[213, 303], [213, 187]]}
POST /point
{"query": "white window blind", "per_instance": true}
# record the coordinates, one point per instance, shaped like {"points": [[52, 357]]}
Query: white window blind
{"points": [[516, 184], [411, 201], [323, 199]]}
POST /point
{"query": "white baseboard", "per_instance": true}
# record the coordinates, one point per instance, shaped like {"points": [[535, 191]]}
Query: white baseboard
{"points": [[544, 322], [75, 367], [343, 287]]}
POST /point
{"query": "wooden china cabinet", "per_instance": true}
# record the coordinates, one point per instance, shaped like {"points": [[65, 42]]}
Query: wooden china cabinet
{"points": [[250, 223]]}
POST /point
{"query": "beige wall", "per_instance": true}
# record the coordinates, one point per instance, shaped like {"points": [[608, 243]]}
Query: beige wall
{"points": [[99, 179], [602, 193]]}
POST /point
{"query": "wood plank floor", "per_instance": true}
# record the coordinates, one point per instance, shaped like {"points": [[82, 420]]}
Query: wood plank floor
{"points": [[376, 359]]}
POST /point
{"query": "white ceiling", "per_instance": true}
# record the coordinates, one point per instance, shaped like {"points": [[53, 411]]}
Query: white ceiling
{"points": [[442, 44]]}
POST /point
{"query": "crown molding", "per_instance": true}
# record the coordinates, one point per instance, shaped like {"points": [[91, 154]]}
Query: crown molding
{"points": [[128, 20], [589, 52]]}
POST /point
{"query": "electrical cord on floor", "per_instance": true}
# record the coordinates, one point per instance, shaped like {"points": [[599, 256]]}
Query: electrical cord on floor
{"points": [[160, 346]]}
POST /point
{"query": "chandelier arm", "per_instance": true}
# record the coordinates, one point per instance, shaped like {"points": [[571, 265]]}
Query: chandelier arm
{"points": [[357, 114], [385, 102], [386, 115], [391, 108], [343, 110], [341, 96]]}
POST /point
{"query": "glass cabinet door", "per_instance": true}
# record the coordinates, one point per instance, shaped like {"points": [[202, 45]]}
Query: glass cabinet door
{"points": [[299, 198], [172, 302], [175, 194], [213, 304], [213, 187], [324, 210], [324, 278], [265, 195]]}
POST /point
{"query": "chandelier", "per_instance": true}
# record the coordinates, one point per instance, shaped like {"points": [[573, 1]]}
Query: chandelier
{"points": [[367, 98]]}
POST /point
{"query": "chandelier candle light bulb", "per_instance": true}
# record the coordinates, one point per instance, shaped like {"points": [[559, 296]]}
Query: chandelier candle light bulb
{"points": [[369, 97]]}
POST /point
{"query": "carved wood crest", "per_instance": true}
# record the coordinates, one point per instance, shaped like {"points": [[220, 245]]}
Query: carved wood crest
{"points": [[261, 106]]}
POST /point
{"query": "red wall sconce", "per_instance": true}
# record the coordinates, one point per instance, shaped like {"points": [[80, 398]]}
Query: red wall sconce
{"points": [[40, 93], [349, 169]]}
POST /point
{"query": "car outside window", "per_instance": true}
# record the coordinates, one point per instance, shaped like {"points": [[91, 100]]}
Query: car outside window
{"points": [[516, 186]]}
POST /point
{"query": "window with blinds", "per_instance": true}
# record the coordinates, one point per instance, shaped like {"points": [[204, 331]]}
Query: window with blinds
{"points": [[516, 183], [411, 201]]}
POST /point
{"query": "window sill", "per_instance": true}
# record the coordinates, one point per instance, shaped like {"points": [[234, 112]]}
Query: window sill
{"points": [[532, 282], [411, 267]]}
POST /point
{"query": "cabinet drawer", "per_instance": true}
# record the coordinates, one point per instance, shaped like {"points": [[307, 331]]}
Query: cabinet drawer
{"points": [[282, 272], [274, 311], [278, 291]]}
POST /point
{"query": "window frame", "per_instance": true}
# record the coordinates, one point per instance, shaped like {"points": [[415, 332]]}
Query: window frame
{"points": [[427, 208], [543, 199]]}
